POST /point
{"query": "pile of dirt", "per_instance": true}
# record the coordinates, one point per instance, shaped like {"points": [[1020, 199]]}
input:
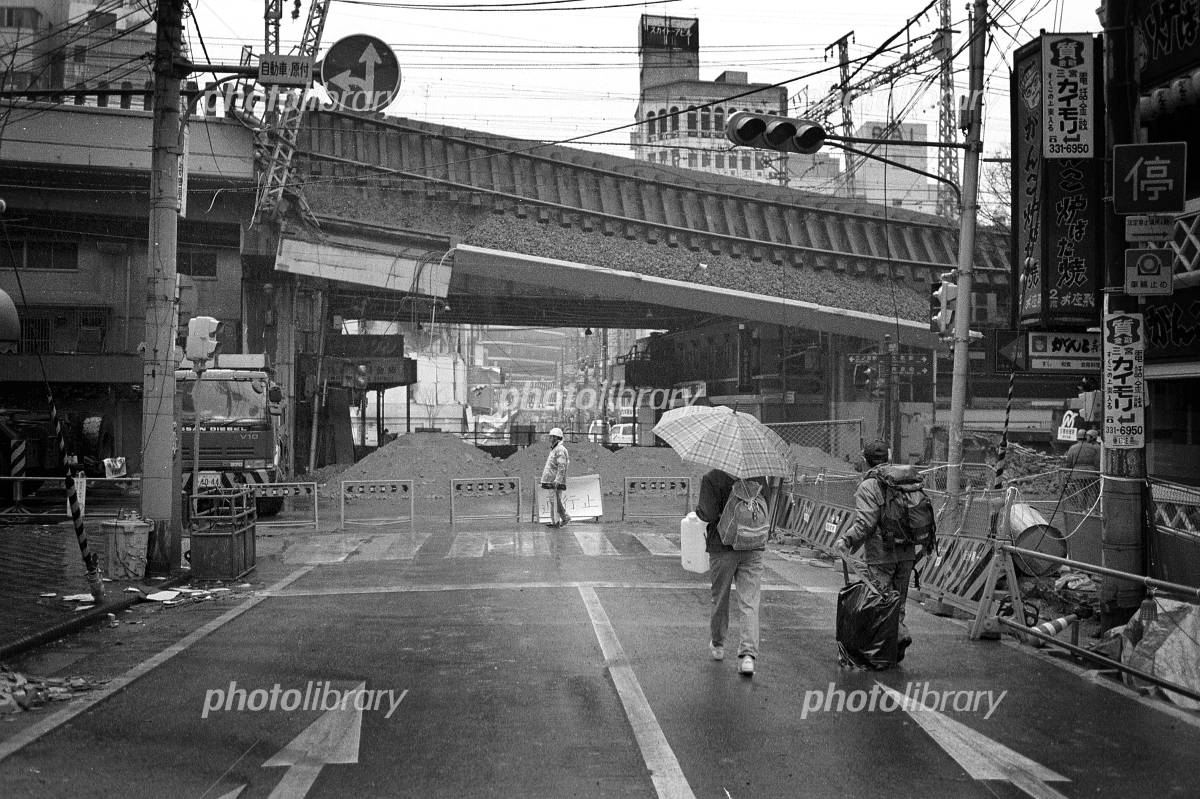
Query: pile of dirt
{"points": [[812, 461], [430, 460], [586, 458]]}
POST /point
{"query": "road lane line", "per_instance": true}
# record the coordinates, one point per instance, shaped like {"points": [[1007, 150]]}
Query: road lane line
{"points": [[434, 587], [657, 544], [593, 543], [53, 721], [665, 772], [468, 544]]}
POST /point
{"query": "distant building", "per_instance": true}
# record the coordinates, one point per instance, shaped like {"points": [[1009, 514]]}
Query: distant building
{"points": [[684, 126], [67, 44]]}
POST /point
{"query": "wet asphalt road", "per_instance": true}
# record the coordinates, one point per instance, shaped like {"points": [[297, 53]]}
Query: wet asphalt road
{"points": [[533, 668]]}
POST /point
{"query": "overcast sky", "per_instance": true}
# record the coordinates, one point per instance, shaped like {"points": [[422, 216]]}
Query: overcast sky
{"points": [[559, 69]]}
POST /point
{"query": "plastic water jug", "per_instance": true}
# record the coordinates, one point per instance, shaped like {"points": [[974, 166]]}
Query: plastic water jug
{"points": [[692, 531]]}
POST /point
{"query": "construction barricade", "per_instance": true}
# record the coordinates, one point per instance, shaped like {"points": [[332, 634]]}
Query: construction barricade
{"points": [[376, 503], [656, 498], [473, 498], [997, 610], [299, 499], [44, 498]]}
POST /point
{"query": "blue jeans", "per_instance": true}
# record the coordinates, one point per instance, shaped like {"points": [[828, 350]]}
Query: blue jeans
{"points": [[746, 567]]}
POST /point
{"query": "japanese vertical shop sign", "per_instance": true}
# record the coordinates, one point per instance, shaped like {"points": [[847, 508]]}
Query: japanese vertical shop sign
{"points": [[1026, 94], [1057, 196], [1124, 381], [1068, 67]]}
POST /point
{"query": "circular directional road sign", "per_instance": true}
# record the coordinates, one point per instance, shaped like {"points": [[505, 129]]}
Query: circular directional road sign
{"points": [[360, 73]]}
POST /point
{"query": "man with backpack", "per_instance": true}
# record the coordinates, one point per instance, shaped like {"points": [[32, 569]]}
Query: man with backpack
{"points": [[893, 515], [736, 512]]}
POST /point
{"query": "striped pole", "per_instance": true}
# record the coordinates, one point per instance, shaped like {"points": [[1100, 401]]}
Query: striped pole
{"points": [[1002, 453], [90, 559], [1056, 626], [16, 468]]}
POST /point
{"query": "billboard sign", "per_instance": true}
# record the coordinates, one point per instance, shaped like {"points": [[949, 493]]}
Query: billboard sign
{"points": [[1149, 178], [1069, 78], [1064, 352], [1124, 381]]}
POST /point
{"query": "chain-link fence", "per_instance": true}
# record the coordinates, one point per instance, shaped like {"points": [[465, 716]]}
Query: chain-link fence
{"points": [[1176, 532], [842, 439]]}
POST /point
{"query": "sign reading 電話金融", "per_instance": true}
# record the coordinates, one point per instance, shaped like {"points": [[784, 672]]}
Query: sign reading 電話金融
{"points": [[1068, 67], [1124, 381]]}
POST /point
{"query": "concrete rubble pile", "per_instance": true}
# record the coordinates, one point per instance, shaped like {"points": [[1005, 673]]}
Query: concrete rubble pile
{"points": [[19, 692]]}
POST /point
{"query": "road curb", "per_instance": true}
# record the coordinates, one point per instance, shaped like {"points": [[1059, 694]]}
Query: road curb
{"points": [[81, 620]]}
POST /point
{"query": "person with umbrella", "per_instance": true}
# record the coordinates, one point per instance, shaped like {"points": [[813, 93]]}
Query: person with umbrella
{"points": [[742, 452]]}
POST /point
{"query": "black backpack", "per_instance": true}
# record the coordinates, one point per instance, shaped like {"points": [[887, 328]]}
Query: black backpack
{"points": [[907, 515]]}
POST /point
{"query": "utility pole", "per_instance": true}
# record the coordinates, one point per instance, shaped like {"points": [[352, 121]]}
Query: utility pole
{"points": [[160, 468], [972, 119], [1123, 471], [947, 155], [843, 50]]}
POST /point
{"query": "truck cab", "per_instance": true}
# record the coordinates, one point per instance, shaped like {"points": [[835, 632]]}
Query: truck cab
{"points": [[241, 440]]}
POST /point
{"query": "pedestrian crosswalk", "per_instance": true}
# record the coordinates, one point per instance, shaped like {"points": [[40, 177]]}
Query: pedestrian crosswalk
{"points": [[529, 542]]}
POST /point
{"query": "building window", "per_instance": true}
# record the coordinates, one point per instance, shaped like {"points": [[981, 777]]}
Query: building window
{"points": [[691, 160], [705, 120], [662, 122], [746, 161], [67, 330], [80, 54], [35, 254], [674, 118], [718, 119], [197, 263], [720, 160], [691, 120], [705, 160]]}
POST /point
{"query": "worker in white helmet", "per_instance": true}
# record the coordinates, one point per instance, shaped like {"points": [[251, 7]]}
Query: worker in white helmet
{"points": [[554, 477]]}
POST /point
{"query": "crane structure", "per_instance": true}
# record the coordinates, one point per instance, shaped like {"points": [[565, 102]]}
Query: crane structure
{"points": [[843, 95], [287, 126]]}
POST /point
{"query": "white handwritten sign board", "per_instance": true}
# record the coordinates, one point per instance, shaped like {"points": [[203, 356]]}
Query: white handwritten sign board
{"points": [[582, 499]]}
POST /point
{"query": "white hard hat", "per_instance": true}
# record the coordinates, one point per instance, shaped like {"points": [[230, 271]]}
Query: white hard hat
{"points": [[557, 432]]}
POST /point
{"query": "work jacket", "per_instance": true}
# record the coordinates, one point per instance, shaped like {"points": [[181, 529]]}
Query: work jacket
{"points": [[555, 470], [868, 507]]}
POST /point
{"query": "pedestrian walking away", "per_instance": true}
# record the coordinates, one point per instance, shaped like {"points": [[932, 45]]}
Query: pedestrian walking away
{"points": [[892, 515], [554, 477], [736, 514], [1085, 453]]}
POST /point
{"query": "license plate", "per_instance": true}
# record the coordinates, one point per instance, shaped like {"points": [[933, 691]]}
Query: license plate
{"points": [[209, 480]]}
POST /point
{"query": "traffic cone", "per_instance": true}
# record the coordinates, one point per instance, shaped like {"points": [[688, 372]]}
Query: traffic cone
{"points": [[1056, 626]]}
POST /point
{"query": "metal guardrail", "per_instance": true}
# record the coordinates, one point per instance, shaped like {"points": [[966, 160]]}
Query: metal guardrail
{"points": [[50, 491], [363, 500], [488, 490], [287, 491], [656, 497]]}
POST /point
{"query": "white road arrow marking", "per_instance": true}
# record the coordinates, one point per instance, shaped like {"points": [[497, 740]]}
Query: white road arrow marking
{"points": [[980, 756], [333, 738], [370, 57]]}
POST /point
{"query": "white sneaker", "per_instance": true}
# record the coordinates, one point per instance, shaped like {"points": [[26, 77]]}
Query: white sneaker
{"points": [[746, 665], [717, 651]]}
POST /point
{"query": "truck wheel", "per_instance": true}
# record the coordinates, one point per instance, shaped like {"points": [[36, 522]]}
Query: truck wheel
{"points": [[268, 506], [97, 434]]}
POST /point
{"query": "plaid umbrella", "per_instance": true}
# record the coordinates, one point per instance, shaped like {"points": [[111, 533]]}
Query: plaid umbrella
{"points": [[735, 443]]}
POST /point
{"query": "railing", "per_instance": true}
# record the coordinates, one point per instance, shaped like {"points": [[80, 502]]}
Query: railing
{"points": [[485, 498]]}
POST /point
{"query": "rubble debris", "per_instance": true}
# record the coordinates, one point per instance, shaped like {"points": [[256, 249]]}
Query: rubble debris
{"points": [[162, 596], [78, 598], [19, 693]]}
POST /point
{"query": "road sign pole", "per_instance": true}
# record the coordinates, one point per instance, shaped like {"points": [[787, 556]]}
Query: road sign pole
{"points": [[1123, 471]]}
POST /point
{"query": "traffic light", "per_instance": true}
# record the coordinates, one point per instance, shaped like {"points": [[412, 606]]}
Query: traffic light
{"points": [[866, 378], [941, 304], [768, 132], [202, 342]]}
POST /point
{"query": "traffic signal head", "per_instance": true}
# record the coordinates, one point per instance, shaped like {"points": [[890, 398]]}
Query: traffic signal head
{"points": [[941, 305], [202, 342], [768, 132]]}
